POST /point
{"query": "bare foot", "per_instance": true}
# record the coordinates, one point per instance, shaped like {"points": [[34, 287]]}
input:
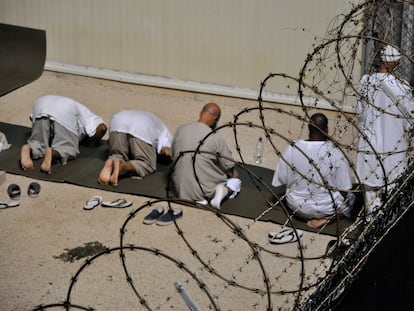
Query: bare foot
{"points": [[105, 174], [316, 223], [47, 161], [115, 173], [25, 159]]}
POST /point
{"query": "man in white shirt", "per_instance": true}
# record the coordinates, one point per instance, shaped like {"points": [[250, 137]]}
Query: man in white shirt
{"points": [[384, 109], [316, 175], [59, 125], [135, 139]]}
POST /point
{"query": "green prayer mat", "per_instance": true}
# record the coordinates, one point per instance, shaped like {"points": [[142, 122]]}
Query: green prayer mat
{"points": [[253, 200]]}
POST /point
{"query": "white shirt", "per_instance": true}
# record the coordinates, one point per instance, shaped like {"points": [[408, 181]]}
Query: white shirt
{"points": [[382, 106], [306, 194], [143, 125], [72, 115]]}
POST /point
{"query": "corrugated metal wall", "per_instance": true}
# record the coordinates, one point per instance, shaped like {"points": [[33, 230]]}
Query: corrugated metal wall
{"points": [[220, 42]]}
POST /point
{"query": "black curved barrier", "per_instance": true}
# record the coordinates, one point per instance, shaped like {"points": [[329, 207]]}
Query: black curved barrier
{"points": [[22, 56]]}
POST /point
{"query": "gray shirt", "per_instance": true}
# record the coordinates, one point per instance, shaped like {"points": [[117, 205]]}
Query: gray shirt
{"points": [[209, 168]]}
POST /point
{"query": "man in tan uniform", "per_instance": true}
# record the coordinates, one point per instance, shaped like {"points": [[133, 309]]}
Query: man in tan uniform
{"points": [[209, 174]]}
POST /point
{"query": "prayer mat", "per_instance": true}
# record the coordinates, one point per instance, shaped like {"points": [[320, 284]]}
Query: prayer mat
{"points": [[254, 200]]}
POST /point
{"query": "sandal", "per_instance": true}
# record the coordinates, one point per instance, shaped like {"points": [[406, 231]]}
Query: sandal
{"points": [[14, 191], [155, 214], [286, 236], [118, 203], [4, 205], [92, 203], [33, 190]]}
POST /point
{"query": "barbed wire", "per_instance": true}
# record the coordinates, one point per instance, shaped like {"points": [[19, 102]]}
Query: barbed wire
{"points": [[328, 81]]}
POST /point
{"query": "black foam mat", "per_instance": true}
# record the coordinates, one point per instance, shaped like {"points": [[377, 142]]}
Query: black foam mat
{"points": [[253, 202]]}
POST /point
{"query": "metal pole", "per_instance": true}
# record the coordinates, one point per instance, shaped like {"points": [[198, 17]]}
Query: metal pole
{"points": [[186, 296]]}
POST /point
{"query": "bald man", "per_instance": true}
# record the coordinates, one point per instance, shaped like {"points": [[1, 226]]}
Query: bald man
{"points": [[211, 177]]}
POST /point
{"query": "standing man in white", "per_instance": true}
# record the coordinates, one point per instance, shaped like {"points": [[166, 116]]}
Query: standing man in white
{"points": [[384, 109]]}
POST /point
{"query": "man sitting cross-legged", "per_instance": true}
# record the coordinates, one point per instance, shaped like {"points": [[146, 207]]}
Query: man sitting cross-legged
{"points": [[316, 175]]}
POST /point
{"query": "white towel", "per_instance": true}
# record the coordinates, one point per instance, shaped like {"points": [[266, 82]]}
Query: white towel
{"points": [[235, 185], [3, 142]]}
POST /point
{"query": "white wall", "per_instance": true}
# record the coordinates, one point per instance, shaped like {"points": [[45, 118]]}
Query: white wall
{"points": [[216, 45]]}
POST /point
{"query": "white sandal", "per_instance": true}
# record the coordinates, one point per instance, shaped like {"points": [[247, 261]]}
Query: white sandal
{"points": [[286, 236], [92, 203], [118, 203]]}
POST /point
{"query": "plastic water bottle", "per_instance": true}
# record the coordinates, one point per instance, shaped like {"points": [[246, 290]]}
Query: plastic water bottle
{"points": [[258, 155]]}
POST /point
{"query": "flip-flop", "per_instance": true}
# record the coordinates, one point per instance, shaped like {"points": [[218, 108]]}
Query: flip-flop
{"points": [[92, 202], [14, 191], [286, 236], [4, 205], [33, 190], [118, 203], [280, 234]]}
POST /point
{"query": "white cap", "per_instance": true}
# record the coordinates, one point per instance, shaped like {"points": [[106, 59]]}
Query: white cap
{"points": [[390, 54]]}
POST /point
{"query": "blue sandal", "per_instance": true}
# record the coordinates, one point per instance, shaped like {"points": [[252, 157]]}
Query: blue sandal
{"points": [[33, 190], [14, 191], [155, 214]]}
